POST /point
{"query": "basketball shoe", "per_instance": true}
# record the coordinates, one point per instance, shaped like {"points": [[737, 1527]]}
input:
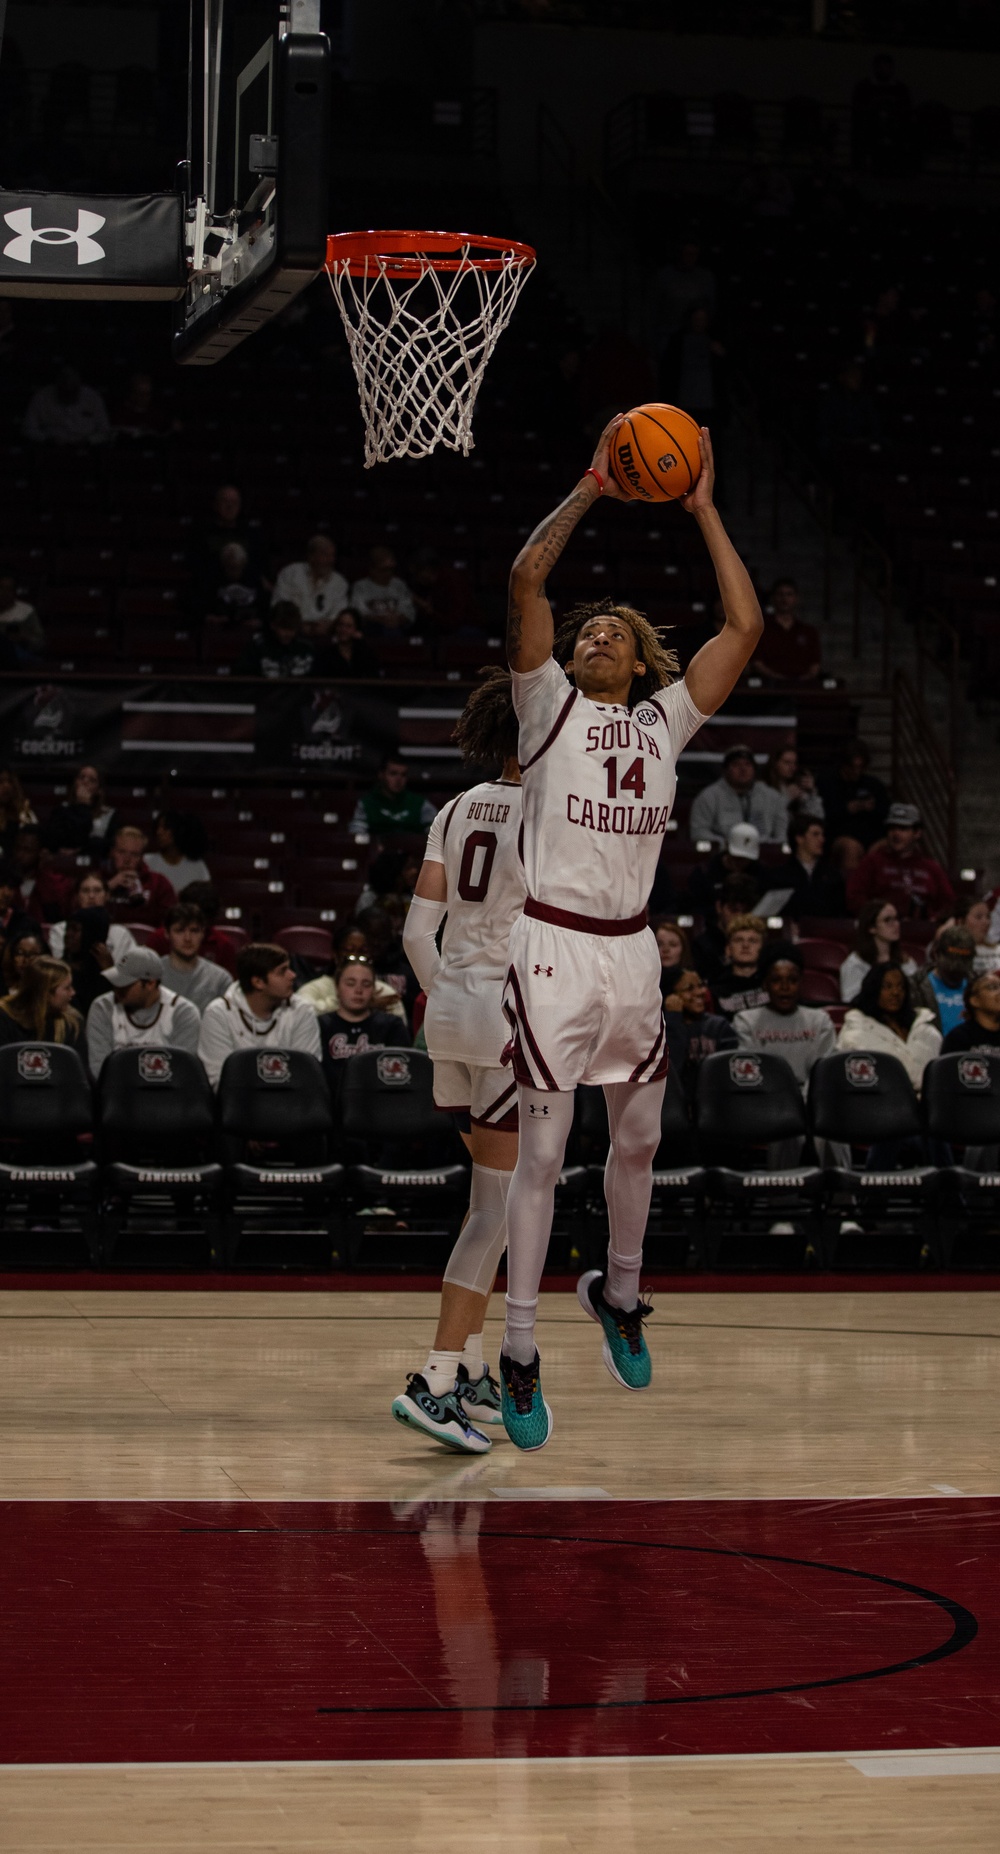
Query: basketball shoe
{"points": [[625, 1351], [442, 1418], [526, 1415], [479, 1397]]}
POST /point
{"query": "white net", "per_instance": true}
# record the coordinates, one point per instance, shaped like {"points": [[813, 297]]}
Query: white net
{"points": [[420, 338]]}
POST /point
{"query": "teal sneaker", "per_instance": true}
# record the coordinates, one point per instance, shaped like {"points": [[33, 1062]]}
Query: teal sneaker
{"points": [[442, 1418], [625, 1351], [479, 1397], [526, 1415]]}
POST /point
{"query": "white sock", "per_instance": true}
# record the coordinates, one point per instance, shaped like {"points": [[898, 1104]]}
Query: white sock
{"points": [[440, 1372], [621, 1289], [472, 1356], [519, 1336]]}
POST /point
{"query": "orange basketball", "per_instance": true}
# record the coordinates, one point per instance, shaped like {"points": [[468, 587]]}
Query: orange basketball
{"points": [[655, 455]]}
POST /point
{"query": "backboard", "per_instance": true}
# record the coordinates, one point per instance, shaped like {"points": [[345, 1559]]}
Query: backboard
{"points": [[257, 174]]}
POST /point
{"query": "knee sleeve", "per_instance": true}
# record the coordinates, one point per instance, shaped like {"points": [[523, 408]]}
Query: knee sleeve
{"points": [[474, 1259]]}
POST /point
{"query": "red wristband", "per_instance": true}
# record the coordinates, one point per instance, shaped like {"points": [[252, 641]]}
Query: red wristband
{"points": [[590, 471]]}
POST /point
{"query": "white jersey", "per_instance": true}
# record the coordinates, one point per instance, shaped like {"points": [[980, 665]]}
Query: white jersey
{"points": [[477, 838], [599, 785]]}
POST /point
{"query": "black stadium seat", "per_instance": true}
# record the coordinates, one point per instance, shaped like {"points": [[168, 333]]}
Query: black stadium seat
{"points": [[961, 1102], [746, 1101], [157, 1130], [392, 1128], [48, 1179], [673, 1231], [284, 1192], [864, 1098]]}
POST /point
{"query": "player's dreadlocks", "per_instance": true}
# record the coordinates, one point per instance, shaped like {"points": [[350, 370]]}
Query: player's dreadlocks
{"points": [[486, 729], [661, 664]]}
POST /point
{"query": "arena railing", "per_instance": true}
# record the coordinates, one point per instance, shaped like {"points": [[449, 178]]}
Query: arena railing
{"points": [[921, 772]]}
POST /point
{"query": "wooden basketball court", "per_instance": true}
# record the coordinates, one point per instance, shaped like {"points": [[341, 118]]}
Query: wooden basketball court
{"points": [[244, 1609]]}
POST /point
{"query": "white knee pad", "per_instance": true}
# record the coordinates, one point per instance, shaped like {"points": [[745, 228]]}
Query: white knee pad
{"points": [[474, 1259]]}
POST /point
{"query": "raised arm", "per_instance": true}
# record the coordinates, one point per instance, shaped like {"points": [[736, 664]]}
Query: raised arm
{"points": [[530, 630], [719, 664]]}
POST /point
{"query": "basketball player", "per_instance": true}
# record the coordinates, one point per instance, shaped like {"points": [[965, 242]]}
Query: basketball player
{"points": [[602, 718], [472, 871]]}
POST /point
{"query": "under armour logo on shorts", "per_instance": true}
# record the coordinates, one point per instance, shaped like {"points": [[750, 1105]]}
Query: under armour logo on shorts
{"points": [[537, 1110], [547, 970]]}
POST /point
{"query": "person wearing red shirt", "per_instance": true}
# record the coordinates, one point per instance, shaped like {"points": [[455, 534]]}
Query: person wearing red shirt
{"points": [[897, 870], [135, 892], [789, 650]]}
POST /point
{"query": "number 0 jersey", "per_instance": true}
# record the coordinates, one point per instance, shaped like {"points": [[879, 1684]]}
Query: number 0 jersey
{"points": [[477, 838], [599, 786]]}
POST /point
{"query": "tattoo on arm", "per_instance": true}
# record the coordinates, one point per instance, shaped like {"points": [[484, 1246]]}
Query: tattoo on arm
{"points": [[514, 626], [551, 535]]}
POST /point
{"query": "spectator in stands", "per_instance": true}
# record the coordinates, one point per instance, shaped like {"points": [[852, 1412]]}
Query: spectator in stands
{"points": [[877, 943], [226, 523], [384, 934], [90, 891], [183, 968], [87, 952], [281, 650], [21, 950], [737, 896], [692, 1032], [390, 883], [216, 946], [14, 809], [941, 985], [348, 656], [739, 984], [40, 1009], [739, 797], [741, 857], [181, 840], [979, 1030], [350, 943], [789, 649], [138, 414], [139, 1011], [974, 913], [382, 600], [678, 288], [886, 1020], [20, 626], [795, 782], [357, 1025], [231, 589], [67, 412], [315, 586], [674, 949], [86, 821], [898, 869], [14, 918], [258, 1011], [389, 807], [801, 1033], [856, 805], [816, 886], [441, 594], [44, 891], [135, 892]]}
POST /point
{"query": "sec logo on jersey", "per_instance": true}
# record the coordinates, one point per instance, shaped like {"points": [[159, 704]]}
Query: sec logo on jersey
{"points": [[647, 717]]}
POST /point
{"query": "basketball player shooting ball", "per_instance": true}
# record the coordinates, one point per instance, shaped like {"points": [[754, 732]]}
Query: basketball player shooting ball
{"points": [[603, 716]]}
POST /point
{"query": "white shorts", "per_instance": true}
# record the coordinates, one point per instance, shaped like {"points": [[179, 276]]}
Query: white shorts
{"points": [[583, 1007], [487, 1094]]}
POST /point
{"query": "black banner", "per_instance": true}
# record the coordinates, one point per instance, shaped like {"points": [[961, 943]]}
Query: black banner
{"points": [[115, 246]]}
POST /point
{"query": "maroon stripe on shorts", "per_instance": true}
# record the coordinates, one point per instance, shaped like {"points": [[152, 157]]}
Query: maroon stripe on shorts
{"points": [[582, 923], [553, 731], [548, 1081], [654, 1052]]}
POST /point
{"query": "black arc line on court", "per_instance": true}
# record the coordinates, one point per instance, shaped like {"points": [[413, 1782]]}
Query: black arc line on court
{"points": [[965, 1628]]}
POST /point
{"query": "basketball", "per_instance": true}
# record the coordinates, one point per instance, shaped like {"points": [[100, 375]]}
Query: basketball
{"points": [[655, 455]]}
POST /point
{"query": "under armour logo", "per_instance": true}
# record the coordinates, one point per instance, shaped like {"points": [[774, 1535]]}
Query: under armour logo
{"points": [[537, 1110], [88, 251], [547, 970]]}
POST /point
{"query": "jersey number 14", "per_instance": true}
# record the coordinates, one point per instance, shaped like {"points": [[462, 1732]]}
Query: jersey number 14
{"points": [[634, 780]]}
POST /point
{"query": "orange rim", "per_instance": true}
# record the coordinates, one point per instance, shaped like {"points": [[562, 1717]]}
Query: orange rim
{"points": [[409, 254]]}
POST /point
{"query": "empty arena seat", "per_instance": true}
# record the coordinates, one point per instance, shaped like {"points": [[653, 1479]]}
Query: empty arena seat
{"points": [[886, 1208], [47, 1175], [961, 1102], [819, 987], [391, 1128], [822, 955], [315, 943], [157, 1132], [751, 1120], [284, 1191]]}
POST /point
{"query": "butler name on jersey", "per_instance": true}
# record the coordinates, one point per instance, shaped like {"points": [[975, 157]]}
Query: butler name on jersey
{"points": [[477, 838]]}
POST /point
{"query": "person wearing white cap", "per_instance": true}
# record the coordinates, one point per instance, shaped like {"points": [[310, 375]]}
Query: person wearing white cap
{"points": [[138, 1011], [739, 857], [738, 797]]}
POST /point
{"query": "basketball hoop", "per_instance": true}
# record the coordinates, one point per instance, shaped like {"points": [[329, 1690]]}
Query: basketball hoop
{"points": [[423, 312]]}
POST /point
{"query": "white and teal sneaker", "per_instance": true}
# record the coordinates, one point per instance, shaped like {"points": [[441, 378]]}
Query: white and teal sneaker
{"points": [[441, 1418], [526, 1415], [625, 1351], [479, 1397]]}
